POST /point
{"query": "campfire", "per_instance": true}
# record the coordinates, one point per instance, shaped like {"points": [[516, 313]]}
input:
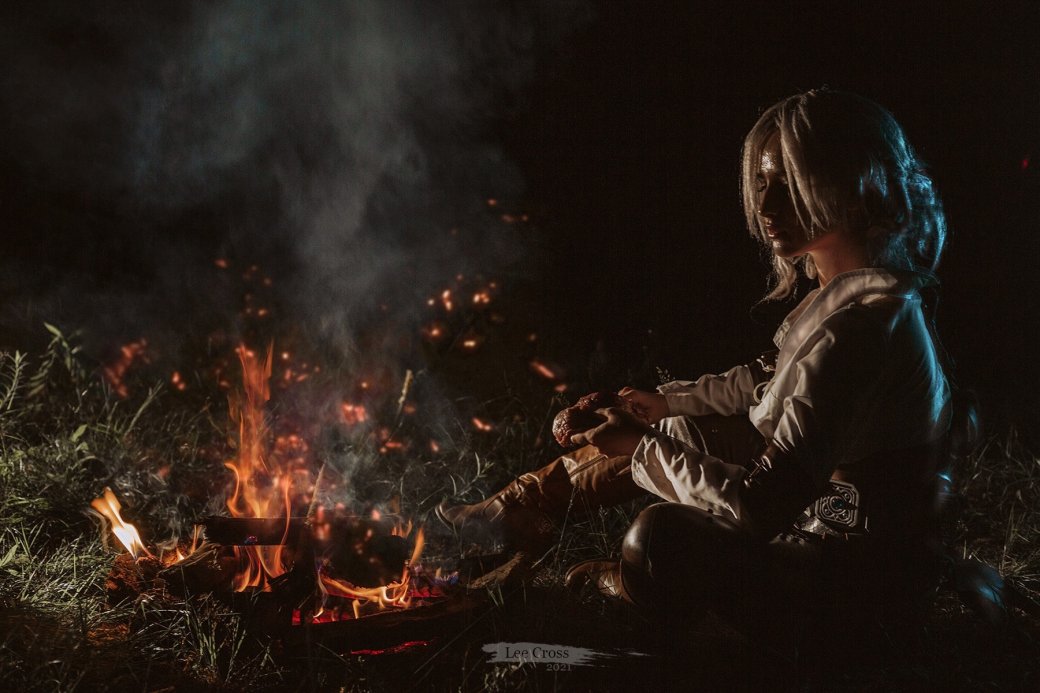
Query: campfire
{"points": [[287, 554], [294, 551]]}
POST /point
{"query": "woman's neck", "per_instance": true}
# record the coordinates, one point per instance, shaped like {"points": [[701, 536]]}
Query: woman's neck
{"points": [[842, 254]]}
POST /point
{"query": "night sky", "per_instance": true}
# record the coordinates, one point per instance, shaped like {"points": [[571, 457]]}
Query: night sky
{"points": [[337, 147]]}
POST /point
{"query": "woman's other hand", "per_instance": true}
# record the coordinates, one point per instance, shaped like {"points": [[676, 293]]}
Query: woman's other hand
{"points": [[651, 406], [618, 435]]}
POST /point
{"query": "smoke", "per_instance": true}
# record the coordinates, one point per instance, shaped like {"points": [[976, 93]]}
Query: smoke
{"points": [[335, 144]]}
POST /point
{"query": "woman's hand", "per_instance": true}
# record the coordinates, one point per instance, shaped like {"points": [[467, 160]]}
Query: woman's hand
{"points": [[650, 405], [617, 436]]}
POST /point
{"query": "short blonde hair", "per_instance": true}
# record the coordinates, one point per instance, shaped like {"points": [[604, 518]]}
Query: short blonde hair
{"points": [[848, 165]]}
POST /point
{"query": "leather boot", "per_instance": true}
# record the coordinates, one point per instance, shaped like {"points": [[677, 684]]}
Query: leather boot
{"points": [[603, 575], [523, 515]]}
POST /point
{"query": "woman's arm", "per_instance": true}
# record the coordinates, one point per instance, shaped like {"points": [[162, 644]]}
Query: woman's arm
{"points": [[831, 384], [729, 393]]}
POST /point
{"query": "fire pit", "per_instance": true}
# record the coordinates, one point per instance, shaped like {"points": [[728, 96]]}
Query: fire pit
{"points": [[303, 605], [343, 578]]}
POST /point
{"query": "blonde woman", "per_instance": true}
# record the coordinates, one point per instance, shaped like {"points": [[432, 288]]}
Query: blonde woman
{"points": [[808, 477]]}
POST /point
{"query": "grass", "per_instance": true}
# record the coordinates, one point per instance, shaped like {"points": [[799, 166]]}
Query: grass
{"points": [[65, 435]]}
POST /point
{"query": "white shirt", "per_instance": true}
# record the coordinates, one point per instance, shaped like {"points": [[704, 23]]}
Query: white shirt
{"points": [[857, 374]]}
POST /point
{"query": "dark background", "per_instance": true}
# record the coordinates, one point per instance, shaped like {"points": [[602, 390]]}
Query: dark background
{"points": [[633, 139], [623, 126]]}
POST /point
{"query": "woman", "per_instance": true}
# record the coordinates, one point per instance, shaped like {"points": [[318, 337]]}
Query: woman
{"points": [[808, 481]]}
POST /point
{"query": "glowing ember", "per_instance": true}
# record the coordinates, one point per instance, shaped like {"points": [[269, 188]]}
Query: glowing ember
{"points": [[446, 300], [482, 425], [403, 647], [543, 370], [433, 332], [353, 413], [108, 507], [116, 371], [178, 382], [471, 342]]}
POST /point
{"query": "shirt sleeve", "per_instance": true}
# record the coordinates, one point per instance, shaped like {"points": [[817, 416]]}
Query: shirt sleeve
{"points": [[729, 393], [838, 369], [839, 375]]}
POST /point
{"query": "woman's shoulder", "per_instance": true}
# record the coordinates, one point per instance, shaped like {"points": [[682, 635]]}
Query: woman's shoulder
{"points": [[885, 323]]}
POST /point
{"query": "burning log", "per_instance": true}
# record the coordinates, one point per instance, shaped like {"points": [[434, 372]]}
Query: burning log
{"points": [[254, 531], [366, 553], [390, 628], [207, 569]]}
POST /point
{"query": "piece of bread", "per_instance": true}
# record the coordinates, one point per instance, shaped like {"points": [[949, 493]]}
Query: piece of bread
{"points": [[582, 416]]}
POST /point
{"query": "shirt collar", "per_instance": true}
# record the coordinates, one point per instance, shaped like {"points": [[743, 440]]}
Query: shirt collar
{"points": [[843, 289]]}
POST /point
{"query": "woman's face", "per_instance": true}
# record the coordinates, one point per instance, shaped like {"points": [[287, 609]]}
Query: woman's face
{"points": [[775, 208]]}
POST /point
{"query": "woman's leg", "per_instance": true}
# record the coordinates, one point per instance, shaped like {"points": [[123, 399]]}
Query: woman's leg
{"points": [[525, 512], [678, 562]]}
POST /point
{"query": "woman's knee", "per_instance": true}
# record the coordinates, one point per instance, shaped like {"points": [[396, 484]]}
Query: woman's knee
{"points": [[673, 548]]}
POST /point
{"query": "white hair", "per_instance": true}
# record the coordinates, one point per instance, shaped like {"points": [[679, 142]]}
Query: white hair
{"points": [[848, 166]]}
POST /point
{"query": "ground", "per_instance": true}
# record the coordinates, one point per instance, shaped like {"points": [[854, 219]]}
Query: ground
{"points": [[65, 434]]}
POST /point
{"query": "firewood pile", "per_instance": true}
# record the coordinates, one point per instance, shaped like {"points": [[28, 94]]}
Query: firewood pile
{"points": [[293, 609]]}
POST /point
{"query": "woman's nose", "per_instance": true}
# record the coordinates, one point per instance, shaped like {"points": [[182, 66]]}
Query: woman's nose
{"points": [[772, 200]]}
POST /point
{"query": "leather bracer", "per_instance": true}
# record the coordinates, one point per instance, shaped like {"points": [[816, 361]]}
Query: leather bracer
{"points": [[776, 490]]}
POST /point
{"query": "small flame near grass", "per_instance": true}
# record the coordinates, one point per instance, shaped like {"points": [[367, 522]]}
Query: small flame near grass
{"points": [[108, 507]]}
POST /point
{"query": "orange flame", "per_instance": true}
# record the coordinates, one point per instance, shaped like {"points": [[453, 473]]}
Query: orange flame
{"points": [[396, 594], [108, 507], [260, 490]]}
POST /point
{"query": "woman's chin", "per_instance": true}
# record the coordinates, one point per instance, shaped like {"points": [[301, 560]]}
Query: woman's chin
{"points": [[786, 252]]}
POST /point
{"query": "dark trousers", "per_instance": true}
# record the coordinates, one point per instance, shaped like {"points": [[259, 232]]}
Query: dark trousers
{"points": [[679, 561]]}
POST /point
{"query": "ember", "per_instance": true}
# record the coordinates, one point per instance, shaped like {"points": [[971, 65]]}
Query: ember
{"points": [[116, 371], [353, 413]]}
